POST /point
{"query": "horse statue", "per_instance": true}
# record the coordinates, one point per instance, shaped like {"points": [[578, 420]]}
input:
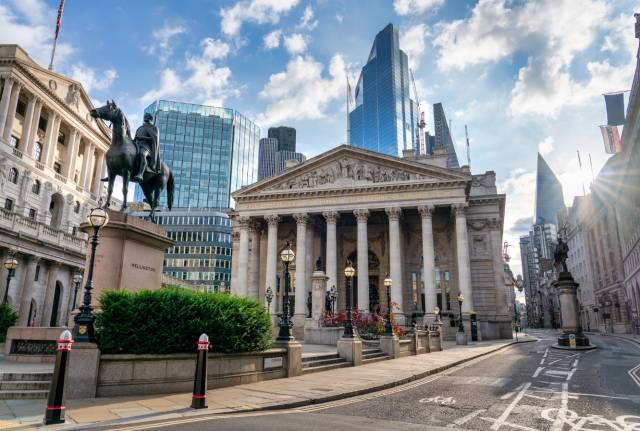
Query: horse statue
{"points": [[122, 160]]}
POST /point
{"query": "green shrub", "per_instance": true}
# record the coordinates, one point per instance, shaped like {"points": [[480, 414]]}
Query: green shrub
{"points": [[8, 318], [170, 320]]}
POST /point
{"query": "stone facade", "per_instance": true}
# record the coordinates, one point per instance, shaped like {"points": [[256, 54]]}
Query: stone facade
{"points": [[51, 162], [387, 215]]}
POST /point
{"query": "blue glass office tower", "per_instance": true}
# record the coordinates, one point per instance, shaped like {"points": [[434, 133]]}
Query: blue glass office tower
{"points": [[211, 151], [549, 199], [385, 119]]}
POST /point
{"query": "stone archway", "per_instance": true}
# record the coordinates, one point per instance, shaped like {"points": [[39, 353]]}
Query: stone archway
{"points": [[56, 209]]}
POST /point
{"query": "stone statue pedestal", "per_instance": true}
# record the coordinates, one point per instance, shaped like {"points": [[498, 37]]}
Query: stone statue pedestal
{"points": [[571, 336], [129, 255]]}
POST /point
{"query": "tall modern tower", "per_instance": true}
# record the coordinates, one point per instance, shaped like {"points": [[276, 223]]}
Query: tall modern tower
{"points": [[385, 118], [211, 152], [286, 137], [275, 150], [549, 198], [443, 135]]}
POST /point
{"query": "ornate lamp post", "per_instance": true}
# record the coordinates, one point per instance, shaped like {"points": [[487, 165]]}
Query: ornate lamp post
{"points": [[10, 263], [77, 279], [349, 273], [83, 330], [436, 311], [388, 329], [268, 295], [460, 326], [333, 297], [287, 256]]}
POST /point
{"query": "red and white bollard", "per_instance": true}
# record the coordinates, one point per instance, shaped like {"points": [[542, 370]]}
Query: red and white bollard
{"points": [[200, 383], [55, 402]]}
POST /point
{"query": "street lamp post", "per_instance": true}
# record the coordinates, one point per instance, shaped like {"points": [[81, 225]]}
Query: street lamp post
{"points": [[388, 329], [268, 296], [287, 256], [436, 311], [349, 273], [77, 279], [10, 264], [83, 330], [460, 325]]}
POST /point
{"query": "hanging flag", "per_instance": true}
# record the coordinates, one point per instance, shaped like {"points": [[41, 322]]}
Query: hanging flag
{"points": [[59, 19], [615, 108], [611, 138]]}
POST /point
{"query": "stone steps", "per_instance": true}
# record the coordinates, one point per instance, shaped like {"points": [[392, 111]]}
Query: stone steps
{"points": [[20, 386], [370, 356], [318, 363]]}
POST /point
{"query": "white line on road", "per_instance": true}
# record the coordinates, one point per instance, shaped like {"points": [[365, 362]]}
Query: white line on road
{"points": [[581, 394], [503, 417], [558, 424], [537, 373], [633, 374], [465, 419]]}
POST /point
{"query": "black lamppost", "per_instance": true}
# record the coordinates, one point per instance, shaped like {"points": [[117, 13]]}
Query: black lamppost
{"points": [[268, 295], [83, 330], [287, 256], [10, 264], [460, 326], [388, 329], [349, 273], [333, 297], [77, 279]]}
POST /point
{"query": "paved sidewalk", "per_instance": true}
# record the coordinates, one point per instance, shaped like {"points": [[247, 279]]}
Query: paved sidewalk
{"points": [[272, 394], [630, 337]]}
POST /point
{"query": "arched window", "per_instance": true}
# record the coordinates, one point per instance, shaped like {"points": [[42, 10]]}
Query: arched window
{"points": [[13, 175], [76, 207], [35, 188], [37, 151]]}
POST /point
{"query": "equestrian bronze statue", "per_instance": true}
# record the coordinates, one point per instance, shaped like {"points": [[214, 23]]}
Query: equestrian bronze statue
{"points": [[136, 160]]}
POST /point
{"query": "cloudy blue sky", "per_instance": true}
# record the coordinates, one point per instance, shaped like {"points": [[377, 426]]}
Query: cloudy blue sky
{"points": [[525, 76]]}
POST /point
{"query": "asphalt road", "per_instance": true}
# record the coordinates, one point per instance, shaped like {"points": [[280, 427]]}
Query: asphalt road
{"points": [[527, 387]]}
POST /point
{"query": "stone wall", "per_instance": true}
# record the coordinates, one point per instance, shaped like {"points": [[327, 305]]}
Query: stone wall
{"points": [[123, 375]]}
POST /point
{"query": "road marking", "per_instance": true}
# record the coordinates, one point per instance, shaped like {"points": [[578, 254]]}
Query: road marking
{"points": [[582, 394], [464, 419], [443, 401], [633, 374], [558, 424], [510, 394], [537, 373], [503, 417]]}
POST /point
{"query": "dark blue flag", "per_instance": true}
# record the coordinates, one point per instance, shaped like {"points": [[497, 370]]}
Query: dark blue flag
{"points": [[615, 108]]}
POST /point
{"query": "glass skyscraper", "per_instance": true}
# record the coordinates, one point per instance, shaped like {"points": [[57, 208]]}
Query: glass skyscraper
{"points": [[549, 199], [385, 118], [211, 151]]}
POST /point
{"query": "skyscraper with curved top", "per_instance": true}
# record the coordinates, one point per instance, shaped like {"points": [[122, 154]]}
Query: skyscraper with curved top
{"points": [[385, 118]]}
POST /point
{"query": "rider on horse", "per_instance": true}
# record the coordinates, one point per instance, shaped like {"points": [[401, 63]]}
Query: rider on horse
{"points": [[148, 148]]}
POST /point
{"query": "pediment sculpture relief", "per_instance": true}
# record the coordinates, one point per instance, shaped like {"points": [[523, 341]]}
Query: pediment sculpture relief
{"points": [[348, 171]]}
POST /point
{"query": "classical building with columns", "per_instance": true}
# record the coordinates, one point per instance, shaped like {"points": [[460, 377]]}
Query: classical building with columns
{"points": [[437, 232], [51, 162]]}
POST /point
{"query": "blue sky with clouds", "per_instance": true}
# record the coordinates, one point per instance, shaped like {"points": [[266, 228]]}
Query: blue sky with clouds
{"points": [[525, 76]]}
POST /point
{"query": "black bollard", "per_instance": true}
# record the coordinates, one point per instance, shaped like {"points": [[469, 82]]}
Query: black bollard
{"points": [[55, 402], [200, 383]]}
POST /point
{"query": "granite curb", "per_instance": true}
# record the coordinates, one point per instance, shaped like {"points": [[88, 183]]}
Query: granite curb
{"points": [[294, 404], [633, 340]]}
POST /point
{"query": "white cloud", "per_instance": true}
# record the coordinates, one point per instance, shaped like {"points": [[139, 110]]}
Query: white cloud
{"points": [[91, 80], [162, 41], [306, 20], [546, 146], [258, 11], [295, 44], [301, 91], [201, 81], [30, 24], [551, 33], [412, 43], [415, 7], [339, 18], [272, 40]]}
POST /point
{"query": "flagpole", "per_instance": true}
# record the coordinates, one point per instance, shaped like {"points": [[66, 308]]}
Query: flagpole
{"points": [[53, 53], [584, 193], [348, 120], [591, 165], [55, 39]]}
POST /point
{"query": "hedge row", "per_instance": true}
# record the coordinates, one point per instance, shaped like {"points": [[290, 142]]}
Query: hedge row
{"points": [[170, 320]]}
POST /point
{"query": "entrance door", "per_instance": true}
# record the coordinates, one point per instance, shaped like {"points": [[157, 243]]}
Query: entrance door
{"points": [[374, 296], [55, 306]]}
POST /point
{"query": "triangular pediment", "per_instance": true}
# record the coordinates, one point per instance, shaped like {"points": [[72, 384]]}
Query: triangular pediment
{"points": [[347, 167], [66, 89]]}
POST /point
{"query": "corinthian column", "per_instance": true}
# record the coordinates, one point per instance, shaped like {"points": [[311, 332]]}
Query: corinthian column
{"points": [[363, 260], [243, 258], [254, 262], [28, 123], [4, 103], [395, 262], [35, 122], [272, 258], [331, 218], [301, 266], [464, 265], [11, 114], [428, 256]]}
